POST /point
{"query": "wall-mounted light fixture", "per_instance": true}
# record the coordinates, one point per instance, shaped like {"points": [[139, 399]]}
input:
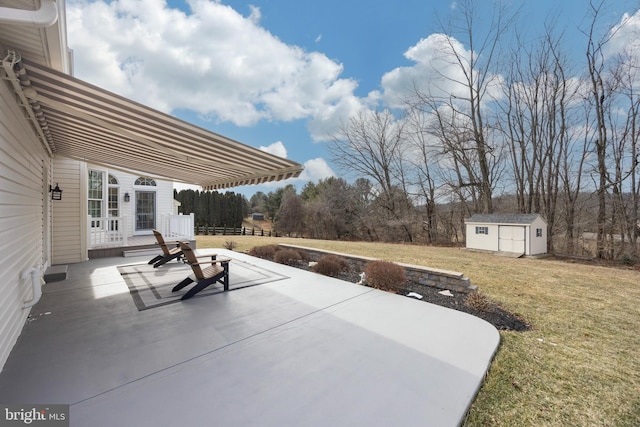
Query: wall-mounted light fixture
{"points": [[56, 193], [127, 197]]}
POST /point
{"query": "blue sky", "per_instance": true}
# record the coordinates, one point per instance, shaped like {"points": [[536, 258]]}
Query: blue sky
{"points": [[280, 75]]}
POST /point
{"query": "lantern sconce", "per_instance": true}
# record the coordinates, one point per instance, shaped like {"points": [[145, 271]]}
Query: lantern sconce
{"points": [[56, 193], [127, 198]]}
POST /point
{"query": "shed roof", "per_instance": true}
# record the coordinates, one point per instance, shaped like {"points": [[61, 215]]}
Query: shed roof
{"points": [[504, 218]]}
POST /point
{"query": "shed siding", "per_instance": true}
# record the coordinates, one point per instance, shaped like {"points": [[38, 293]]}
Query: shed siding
{"points": [[509, 233], [538, 244], [486, 242], [68, 242], [23, 162]]}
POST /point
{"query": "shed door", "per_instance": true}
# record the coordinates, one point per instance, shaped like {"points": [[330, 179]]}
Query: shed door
{"points": [[511, 238]]}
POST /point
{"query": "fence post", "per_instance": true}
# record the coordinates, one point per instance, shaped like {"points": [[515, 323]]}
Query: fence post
{"points": [[125, 230]]}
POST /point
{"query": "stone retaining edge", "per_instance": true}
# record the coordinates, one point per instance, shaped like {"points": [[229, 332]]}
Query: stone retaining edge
{"points": [[425, 276]]}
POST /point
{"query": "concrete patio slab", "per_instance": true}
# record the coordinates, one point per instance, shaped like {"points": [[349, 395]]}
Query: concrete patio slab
{"points": [[304, 350]]}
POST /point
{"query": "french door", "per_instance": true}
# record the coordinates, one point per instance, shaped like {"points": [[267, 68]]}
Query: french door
{"points": [[145, 210]]}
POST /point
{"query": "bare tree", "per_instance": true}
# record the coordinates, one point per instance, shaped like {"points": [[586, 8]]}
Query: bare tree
{"points": [[476, 63], [333, 212], [372, 146], [536, 113], [602, 86], [571, 173], [423, 160], [290, 218], [624, 149]]}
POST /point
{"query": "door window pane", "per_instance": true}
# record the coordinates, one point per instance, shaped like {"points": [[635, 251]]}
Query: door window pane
{"points": [[145, 210], [113, 201]]}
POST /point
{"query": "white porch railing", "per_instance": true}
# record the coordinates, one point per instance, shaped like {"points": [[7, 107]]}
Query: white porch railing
{"points": [[178, 226], [114, 231], [107, 231]]}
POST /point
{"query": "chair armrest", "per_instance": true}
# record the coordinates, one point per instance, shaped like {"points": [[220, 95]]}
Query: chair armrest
{"points": [[170, 242], [213, 256], [212, 261]]}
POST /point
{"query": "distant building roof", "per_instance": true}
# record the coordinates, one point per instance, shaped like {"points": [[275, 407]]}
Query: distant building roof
{"points": [[504, 218]]}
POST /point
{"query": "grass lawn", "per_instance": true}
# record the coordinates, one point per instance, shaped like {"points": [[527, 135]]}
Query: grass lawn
{"points": [[580, 363]]}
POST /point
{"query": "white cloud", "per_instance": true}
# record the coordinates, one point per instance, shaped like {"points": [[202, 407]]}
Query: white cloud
{"points": [[435, 70], [256, 14], [625, 36], [438, 70], [277, 148], [212, 61], [327, 122], [315, 170]]}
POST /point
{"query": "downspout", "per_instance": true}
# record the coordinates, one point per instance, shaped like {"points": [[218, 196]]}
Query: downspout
{"points": [[46, 16], [36, 285]]}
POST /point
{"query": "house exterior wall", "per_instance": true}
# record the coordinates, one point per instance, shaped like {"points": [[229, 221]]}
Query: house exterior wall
{"points": [[68, 237], [126, 184], [25, 166]]}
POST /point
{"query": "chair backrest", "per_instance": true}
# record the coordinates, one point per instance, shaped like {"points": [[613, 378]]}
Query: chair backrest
{"points": [[161, 242], [190, 256]]}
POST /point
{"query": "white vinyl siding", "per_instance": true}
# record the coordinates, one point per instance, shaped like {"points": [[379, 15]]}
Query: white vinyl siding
{"points": [[68, 221], [127, 184], [22, 162]]}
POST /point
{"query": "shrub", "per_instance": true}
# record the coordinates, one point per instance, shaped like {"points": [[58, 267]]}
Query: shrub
{"points": [[385, 275], [331, 265], [479, 302], [230, 245], [626, 259], [265, 252], [287, 256], [304, 256]]}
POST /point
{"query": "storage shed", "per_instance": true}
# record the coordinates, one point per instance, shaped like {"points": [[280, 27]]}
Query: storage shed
{"points": [[524, 234]]}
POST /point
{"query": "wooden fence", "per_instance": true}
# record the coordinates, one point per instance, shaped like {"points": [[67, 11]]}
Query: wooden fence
{"points": [[232, 231]]}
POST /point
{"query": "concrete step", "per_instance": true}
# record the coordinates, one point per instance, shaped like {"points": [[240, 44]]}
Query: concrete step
{"points": [[142, 252]]}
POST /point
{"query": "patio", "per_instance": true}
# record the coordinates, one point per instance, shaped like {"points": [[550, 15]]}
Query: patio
{"points": [[288, 347]]}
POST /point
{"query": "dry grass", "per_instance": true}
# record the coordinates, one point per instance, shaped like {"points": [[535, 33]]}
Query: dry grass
{"points": [[577, 366]]}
